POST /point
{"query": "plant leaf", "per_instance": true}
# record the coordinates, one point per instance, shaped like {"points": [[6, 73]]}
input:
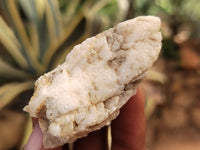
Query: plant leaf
{"points": [[61, 57], [70, 10], [44, 24], [10, 90], [91, 11], [37, 25], [40, 7], [33, 17], [53, 47], [27, 131], [29, 8], [9, 71], [20, 31], [53, 19], [11, 44]]}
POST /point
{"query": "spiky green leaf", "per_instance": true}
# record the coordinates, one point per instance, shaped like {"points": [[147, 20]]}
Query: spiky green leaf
{"points": [[61, 57], [8, 71], [19, 28], [53, 19], [53, 47], [10, 90], [10, 42]]}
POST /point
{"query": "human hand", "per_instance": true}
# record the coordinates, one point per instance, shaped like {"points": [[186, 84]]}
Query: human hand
{"points": [[128, 131]]}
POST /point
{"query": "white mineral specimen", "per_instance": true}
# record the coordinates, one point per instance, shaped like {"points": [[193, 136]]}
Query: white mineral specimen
{"points": [[98, 77]]}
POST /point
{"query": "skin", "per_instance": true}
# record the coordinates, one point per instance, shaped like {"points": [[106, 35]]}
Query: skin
{"points": [[128, 130]]}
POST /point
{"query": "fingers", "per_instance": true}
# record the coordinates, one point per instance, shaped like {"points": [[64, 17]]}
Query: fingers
{"points": [[96, 140], [128, 130], [35, 139]]}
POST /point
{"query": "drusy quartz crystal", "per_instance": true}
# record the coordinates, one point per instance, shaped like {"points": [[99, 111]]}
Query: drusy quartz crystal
{"points": [[97, 78]]}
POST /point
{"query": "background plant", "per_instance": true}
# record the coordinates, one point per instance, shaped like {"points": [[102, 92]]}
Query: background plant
{"points": [[36, 36]]}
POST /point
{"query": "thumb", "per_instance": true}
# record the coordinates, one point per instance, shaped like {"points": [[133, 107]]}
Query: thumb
{"points": [[35, 140]]}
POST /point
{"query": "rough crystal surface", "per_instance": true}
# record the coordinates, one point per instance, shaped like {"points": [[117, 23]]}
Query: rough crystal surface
{"points": [[98, 77]]}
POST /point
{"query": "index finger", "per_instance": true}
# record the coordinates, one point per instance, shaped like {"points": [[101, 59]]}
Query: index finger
{"points": [[128, 130]]}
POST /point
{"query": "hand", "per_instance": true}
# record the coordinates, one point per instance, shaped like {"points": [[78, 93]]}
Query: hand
{"points": [[128, 131]]}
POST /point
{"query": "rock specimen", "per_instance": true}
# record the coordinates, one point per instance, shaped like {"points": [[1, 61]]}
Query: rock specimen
{"points": [[98, 77]]}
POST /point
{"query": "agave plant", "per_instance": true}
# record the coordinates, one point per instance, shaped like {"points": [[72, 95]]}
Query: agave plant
{"points": [[36, 36]]}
